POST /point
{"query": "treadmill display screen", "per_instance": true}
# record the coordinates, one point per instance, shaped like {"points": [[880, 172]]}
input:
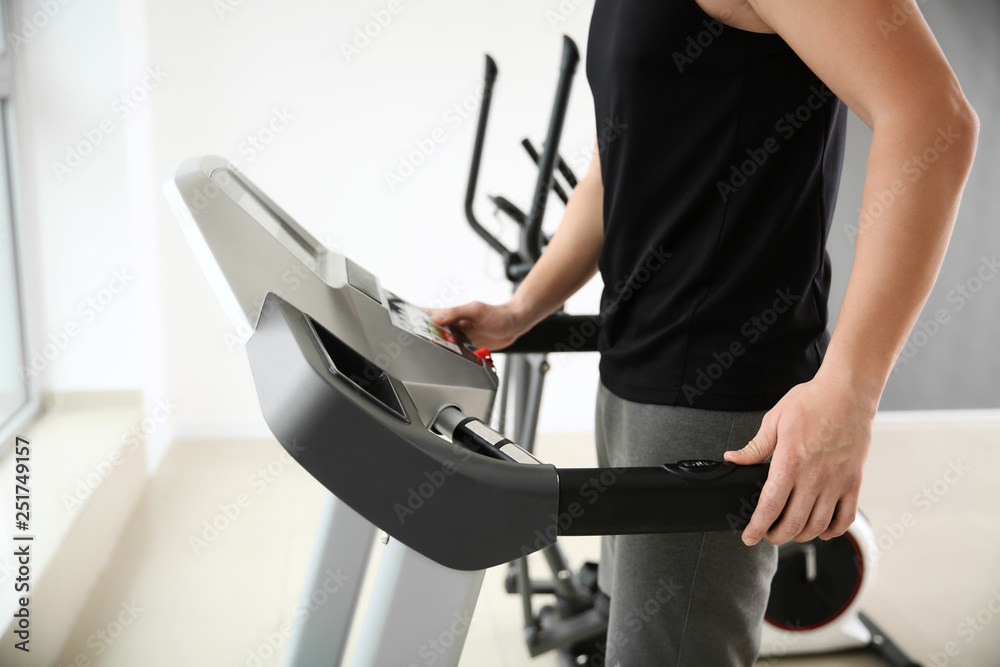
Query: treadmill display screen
{"points": [[417, 321]]}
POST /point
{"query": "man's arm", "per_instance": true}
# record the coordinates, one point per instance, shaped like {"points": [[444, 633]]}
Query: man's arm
{"points": [[569, 261], [891, 72]]}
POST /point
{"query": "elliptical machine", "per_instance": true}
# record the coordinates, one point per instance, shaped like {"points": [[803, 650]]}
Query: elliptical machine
{"points": [[814, 605]]}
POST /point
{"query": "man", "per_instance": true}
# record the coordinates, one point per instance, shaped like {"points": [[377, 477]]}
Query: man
{"points": [[707, 215]]}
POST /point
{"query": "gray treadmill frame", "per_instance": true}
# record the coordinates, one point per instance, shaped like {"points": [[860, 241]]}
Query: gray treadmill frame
{"points": [[401, 618]]}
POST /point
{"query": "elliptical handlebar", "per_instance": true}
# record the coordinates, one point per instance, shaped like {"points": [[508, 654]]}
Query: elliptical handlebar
{"points": [[477, 154], [518, 262], [558, 189], [530, 241]]}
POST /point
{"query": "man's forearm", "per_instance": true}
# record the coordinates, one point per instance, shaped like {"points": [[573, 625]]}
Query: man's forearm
{"points": [[916, 172], [569, 260]]}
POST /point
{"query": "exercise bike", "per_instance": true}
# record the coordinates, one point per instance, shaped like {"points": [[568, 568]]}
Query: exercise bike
{"points": [[816, 593]]}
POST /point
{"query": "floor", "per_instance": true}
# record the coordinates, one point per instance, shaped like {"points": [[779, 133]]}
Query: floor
{"points": [[180, 592]]}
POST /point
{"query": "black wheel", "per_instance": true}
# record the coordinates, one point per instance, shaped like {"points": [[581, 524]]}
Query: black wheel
{"points": [[815, 583]]}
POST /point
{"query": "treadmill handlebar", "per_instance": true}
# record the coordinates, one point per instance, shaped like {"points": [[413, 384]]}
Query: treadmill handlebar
{"points": [[559, 333], [477, 436], [692, 495], [698, 495]]}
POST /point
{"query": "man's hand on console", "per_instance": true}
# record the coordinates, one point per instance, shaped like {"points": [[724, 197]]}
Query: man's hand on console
{"points": [[492, 327]]}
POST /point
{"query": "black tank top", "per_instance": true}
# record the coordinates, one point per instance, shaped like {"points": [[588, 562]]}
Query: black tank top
{"points": [[721, 155]]}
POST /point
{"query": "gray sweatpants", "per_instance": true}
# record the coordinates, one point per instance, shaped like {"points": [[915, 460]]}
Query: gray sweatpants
{"points": [[689, 599]]}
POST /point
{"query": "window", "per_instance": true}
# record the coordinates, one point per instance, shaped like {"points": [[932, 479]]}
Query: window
{"points": [[16, 389]]}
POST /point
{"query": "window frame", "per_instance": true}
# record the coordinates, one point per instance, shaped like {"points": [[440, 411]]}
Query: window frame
{"points": [[8, 127]]}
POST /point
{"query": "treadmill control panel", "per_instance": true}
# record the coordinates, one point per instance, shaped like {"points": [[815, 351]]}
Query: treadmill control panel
{"points": [[417, 321]]}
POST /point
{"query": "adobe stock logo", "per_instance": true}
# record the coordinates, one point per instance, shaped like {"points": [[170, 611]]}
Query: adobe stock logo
{"points": [[697, 44], [121, 108], [752, 330], [786, 126]]}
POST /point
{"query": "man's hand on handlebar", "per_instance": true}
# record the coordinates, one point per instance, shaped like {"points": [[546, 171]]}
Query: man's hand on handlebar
{"points": [[492, 327], [819, 434]]}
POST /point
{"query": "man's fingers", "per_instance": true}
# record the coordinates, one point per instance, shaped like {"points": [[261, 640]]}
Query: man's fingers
{"points": [[794, 516], [456, 314], [819, 519], [443, 316], [752, 452], [758, 449], [449, 316], [772, 500], [843, 517]]}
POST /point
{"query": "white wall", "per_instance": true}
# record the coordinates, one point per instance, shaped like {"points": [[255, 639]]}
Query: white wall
{"points": [[85, 195], [229, 71], [69, 76]]}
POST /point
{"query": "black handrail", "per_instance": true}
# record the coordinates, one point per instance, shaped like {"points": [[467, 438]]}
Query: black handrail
{"points": [[531, 245], [518, 262], [477, 154], [533, 154], [563, 169]]}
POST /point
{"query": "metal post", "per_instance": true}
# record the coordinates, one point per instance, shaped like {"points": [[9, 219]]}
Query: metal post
{"points": [[535, 366], [419, 612], [331, 588]]}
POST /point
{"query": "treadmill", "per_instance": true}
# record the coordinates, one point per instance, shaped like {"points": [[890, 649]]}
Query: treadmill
{"points": [[389, 412]]}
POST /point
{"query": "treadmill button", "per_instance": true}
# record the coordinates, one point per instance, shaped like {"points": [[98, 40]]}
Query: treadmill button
{"points": [[700, 471], [484, 355], [698, 465]]}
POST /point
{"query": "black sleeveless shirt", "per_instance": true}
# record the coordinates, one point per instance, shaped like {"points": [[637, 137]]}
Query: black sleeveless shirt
{"points": [[721, 155]]}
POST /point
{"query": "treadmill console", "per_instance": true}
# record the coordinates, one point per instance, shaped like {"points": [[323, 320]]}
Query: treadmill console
{"points": [[249, 248]]}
